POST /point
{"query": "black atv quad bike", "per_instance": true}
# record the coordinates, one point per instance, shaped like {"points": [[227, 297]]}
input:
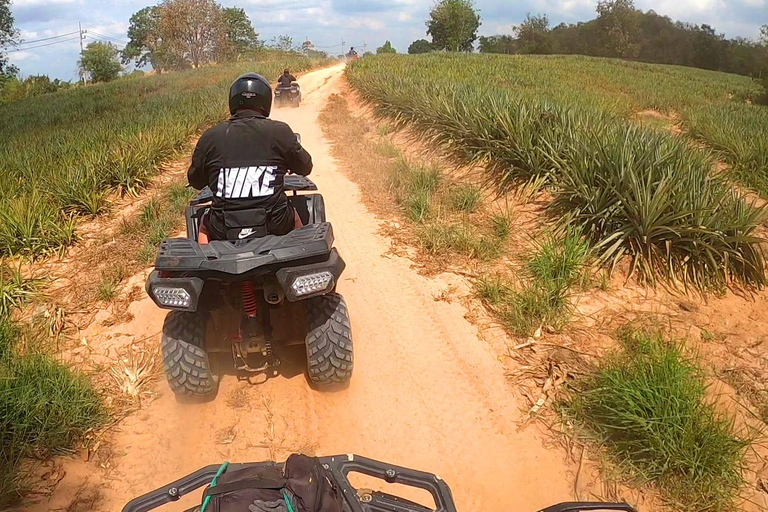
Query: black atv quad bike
{"points": [[242, 299], [336, 470], [288, 95]]}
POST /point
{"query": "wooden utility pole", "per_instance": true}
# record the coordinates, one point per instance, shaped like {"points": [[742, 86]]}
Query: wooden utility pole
{"points": [[82, 36]]}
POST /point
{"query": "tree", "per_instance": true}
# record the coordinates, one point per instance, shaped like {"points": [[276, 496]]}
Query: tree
{"points": [[385, 48], [240, 37], [708, 48], [100, 61], [533, 34], [283, 43], [145, 44], [498, 44], [308, 49], [191, 31], [9, 36], [620, 26], [453, 25], [420, 46]]}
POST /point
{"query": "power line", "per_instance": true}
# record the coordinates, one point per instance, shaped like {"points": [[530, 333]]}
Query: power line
{"points": [[47, 38], [47, 44], [110, 38]]}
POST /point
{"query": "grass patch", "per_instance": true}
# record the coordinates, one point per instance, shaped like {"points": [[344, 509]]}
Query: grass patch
{"points": [[647, 404], [554, 267], [465, 197], [45, 408], [14, 289], [439, 238], [110, 279], [414, 187], [501, 225], [159, 218]]}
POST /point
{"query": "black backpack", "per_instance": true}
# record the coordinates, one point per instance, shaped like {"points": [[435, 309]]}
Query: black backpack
{"points": [[303, 482]]}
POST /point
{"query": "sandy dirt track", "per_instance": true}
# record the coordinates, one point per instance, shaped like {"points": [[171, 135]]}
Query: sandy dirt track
{"points": [[427, 392]]}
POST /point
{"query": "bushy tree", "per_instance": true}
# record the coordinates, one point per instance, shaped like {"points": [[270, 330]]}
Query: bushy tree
{"points": [[620, 28], [420, 46], [8, 37], [101, 62], [385, 48], [284, 43], [533, 34], [453, 25], [192, 30], [498, 44], [240, 37], [144, 38]]}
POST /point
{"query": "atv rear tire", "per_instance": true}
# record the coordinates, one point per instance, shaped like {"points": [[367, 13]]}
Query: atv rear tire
{"points": [[185, 360], [329, 339]]}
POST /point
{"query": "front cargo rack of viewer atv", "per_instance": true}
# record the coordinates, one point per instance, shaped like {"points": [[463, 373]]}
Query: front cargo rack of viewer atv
{"points": [[356, 500]]}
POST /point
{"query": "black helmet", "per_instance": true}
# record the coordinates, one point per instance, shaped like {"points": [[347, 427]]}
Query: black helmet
{"points": [[286, 71], [250, 91]]}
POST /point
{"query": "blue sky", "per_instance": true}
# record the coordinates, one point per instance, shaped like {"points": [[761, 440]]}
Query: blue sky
{"points": [[327, 22]]}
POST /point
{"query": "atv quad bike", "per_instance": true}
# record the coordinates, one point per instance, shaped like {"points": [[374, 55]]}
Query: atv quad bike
{"points": [[288, 95], [354, 499], [243, 299]]}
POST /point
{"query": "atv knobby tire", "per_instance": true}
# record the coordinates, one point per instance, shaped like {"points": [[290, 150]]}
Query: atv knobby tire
{"points": [[329, 339], [185, 360]]}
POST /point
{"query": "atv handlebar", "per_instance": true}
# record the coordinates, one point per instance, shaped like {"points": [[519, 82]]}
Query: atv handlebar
{"points": [[355, 500]]}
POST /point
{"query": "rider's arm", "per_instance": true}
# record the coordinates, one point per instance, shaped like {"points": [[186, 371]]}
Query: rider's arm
{"points": [[293, 78], [197, 175], [297, 159]]}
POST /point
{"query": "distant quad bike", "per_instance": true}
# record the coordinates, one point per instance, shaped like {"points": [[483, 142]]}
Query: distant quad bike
{"points": [[245, 297], [288, 95]]}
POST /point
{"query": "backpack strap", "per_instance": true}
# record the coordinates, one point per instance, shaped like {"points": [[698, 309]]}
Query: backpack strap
{"points": [[251, 483]]}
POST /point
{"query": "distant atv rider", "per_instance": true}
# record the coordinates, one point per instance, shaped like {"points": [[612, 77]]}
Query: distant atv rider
{"points": [[243, 161], [286, 79]]}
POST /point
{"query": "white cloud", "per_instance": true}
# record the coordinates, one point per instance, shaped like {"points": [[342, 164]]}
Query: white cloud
{"points": [[41, 3], [22, 57]]}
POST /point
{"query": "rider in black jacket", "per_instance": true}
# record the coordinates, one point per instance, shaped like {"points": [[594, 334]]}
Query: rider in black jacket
{"points": [[243, 161], [286, 79]]}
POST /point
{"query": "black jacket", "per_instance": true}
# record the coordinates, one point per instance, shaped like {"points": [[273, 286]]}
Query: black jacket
{"points": [[285, 80], [244, 161]]}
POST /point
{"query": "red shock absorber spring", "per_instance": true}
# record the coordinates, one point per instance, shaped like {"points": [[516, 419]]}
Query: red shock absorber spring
{"points": [[250, 305]]}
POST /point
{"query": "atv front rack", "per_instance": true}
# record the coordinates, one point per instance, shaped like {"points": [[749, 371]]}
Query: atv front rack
{"points": [[340, 466], [355, 500]]}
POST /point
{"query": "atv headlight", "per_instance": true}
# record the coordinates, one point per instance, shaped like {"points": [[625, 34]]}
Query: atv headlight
{"points": [[172, 296], [312, 283]]}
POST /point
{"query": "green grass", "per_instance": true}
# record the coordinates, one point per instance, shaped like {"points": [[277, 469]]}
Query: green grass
{"points": [[45, 408], [414, 187], [465, 197], [543, 299], [63, 154], [501, 225], [636, 191], [440, 238], [159, 218], [648, 405], [14, 289]]}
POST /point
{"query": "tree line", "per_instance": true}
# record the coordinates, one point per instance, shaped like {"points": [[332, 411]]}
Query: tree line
{"points": [[620, 30]]}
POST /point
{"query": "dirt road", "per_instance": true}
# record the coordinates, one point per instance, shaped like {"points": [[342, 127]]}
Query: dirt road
{"points": [[427, 391]]}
